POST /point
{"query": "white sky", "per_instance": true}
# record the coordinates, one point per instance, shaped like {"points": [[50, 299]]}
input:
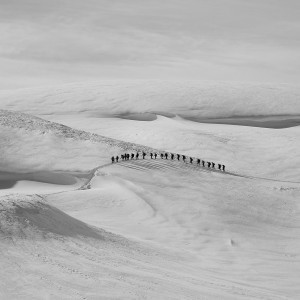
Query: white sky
{"points": [[54, 41]]}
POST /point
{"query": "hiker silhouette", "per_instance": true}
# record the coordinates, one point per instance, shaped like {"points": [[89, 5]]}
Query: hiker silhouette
{"points": [[203, 163], [191, 160], [155, 155], [172, 156], [117, 158], [137, 155], [132, 155], [198, 161], [178, 156], [223, 167], [162, 155], [112, 159], [208, 164], [151, 154], [166, 155]]}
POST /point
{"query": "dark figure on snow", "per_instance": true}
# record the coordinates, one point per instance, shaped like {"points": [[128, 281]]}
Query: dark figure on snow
{"points": [[122, 156], [208, 164], [223, 167], [161, 155], [151, 155], [112, 159], [117, 158], [137, 155], [128, 156], [183, 158], [166, 155], [219, 166], [144, 154], [125, 156], [203, 163], [213, 164], [132, 155], [155, 155], [191, 160], [178, 156], [198, 161], [172, 156]]}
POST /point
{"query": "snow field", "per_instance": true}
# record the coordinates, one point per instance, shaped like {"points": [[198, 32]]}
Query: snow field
{"points": [[75, 226]]}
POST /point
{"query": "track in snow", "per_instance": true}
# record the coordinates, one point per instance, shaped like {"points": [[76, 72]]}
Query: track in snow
{"points": [[163, 165], [168, 165]]}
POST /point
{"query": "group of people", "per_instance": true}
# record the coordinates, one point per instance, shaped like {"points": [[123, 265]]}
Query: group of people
{"points": [[172, 156]]}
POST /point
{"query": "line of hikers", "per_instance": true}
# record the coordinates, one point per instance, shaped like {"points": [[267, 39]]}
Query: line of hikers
{"points": [[128, 156]]}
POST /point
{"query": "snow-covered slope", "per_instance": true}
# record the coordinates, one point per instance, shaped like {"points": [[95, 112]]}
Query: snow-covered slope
{"points": [[29, 144], [73, 225]]}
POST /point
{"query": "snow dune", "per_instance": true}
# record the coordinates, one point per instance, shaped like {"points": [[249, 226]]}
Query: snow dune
{"points": [[73, 225]]}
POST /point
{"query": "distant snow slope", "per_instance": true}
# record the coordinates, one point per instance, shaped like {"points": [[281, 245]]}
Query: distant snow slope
{"points": [[189, 98]]}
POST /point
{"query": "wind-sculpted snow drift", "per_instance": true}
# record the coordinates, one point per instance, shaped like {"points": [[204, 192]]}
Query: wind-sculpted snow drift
{"points": [[75, 226]]}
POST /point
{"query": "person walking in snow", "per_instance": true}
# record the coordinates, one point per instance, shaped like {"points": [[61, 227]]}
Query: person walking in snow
{"points": [[198, 161], [191, 160], [161, 155], [203, 163], [128, 156], [178, 156], [183, 158], [208, 164], [151, 155], [117, 158], [219, 166], [213, 164], [112, 159], [155, 155], [172, 156], [132, 155], [144, 154], [166, 155], [137, 155], [223, 168]]}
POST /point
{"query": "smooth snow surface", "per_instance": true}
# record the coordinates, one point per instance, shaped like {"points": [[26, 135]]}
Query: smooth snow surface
{"points": [[75, 226]]}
